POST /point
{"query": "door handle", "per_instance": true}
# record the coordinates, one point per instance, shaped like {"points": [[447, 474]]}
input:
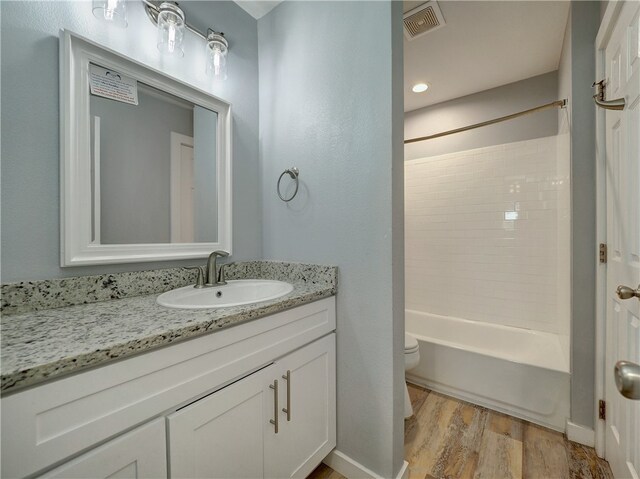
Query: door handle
{"points": [[599, 97], [617, 104], [627, 375], [274, 421], [625, 292], [287, 377]]}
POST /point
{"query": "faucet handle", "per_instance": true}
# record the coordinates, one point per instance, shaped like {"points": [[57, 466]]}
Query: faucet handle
{"points": [[200, 278], [221, 274]]}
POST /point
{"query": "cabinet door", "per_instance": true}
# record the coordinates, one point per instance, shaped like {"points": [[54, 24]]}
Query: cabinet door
{"points": [[222, 435], [141, 453], [310, 434]]}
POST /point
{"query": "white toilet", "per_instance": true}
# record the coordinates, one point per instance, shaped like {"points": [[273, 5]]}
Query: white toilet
{"points": [[411, 360]]}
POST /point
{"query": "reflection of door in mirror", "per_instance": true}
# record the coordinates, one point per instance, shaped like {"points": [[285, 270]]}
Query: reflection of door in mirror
{"points": [[192, 195], [134, 150], [182, 188]]}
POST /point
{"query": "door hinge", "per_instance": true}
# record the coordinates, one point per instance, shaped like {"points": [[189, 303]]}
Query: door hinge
{"points": [[602, 409], [603, 252]]}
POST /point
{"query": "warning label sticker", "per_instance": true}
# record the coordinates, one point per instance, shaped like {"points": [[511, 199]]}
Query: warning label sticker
{"points": [[113, 85]]}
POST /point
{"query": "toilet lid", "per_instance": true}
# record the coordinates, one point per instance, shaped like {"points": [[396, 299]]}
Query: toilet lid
{"points": [[410, 343]]}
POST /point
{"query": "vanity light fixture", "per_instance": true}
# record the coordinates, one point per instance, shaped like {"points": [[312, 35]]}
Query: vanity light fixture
{"points": [[217, 48], [171, 24], [167, 15], [420, 87], [112, 11]]}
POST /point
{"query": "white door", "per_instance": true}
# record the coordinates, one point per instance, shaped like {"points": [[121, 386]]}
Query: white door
{"points": [[622, 67], [222, 435], [141, 453], [182, 189], [306, 411]]}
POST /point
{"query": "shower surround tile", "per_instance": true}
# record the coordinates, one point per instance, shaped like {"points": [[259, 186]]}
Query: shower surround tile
{"points": [[492, 222]]}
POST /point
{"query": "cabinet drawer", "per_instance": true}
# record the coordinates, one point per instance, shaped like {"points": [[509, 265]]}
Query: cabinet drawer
{"points": [[57, 420], [138, 454]]}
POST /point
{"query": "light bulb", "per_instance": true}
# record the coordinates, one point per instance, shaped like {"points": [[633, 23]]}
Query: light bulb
{"points": [[112, 11], [171, 44], [171, 27], [420, 87]]}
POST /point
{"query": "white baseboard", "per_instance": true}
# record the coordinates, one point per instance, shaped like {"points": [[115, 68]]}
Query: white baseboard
{"points": [[351, 469], [404, 471], [580, 434]]}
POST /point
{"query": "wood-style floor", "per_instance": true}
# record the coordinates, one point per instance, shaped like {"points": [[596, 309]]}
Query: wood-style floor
{"points": [[451, 439]]}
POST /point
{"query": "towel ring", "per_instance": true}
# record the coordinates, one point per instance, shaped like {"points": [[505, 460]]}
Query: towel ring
{"points": [[294, 173]]}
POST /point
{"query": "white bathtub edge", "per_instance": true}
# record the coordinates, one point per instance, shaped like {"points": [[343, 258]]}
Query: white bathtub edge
{"points": [[482, 401], [562, 363], [581, 434]]}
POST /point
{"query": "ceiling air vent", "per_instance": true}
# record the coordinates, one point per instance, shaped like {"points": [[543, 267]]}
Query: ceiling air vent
{"points": [[424, 19]]}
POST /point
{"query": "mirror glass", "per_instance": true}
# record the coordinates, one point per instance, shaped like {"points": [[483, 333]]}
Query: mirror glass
{"points": [[145, 161], [154, 165]]}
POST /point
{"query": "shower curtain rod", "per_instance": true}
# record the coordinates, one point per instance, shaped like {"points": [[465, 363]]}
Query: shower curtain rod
{"points": [[553, 104]]}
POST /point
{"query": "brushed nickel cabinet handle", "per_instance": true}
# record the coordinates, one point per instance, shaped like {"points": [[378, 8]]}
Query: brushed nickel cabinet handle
{"points": [[287, 409], [274, 421]]}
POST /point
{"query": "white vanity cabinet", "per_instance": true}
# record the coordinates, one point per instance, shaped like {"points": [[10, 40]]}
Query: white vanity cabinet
{"points": [[232, 433], [203, 406]]}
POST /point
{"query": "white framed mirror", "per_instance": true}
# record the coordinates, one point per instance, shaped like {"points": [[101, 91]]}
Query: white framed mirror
{"points": [[145, 162]]}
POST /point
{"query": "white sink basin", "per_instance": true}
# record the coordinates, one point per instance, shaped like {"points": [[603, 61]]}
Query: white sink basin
{"points": [[234, 293]]}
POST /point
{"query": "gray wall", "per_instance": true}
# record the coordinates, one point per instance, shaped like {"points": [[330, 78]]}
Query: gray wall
{"points": [[584, 21], [30, 129], [330, 105], [134, 174], [603, 8], [397, 232], [479, 107]]}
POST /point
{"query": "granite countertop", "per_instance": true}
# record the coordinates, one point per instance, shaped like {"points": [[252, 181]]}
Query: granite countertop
{"points": [[44, 344]]}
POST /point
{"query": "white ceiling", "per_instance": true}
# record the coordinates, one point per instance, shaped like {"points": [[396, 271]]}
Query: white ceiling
{"points": [[258, 8], [484, 44]]}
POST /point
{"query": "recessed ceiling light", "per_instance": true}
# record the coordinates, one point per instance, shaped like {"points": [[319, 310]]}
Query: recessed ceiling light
{"points": [[420, 87]]}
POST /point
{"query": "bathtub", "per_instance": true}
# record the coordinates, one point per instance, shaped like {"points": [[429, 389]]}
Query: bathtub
{"points": [[519, 372]]}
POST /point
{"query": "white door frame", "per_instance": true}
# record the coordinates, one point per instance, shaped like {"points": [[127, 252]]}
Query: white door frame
{"points": [[604, 33], [97, 205]]}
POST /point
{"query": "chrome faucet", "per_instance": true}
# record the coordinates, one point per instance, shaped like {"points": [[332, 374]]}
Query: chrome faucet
{"points": [[212, 269]]}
